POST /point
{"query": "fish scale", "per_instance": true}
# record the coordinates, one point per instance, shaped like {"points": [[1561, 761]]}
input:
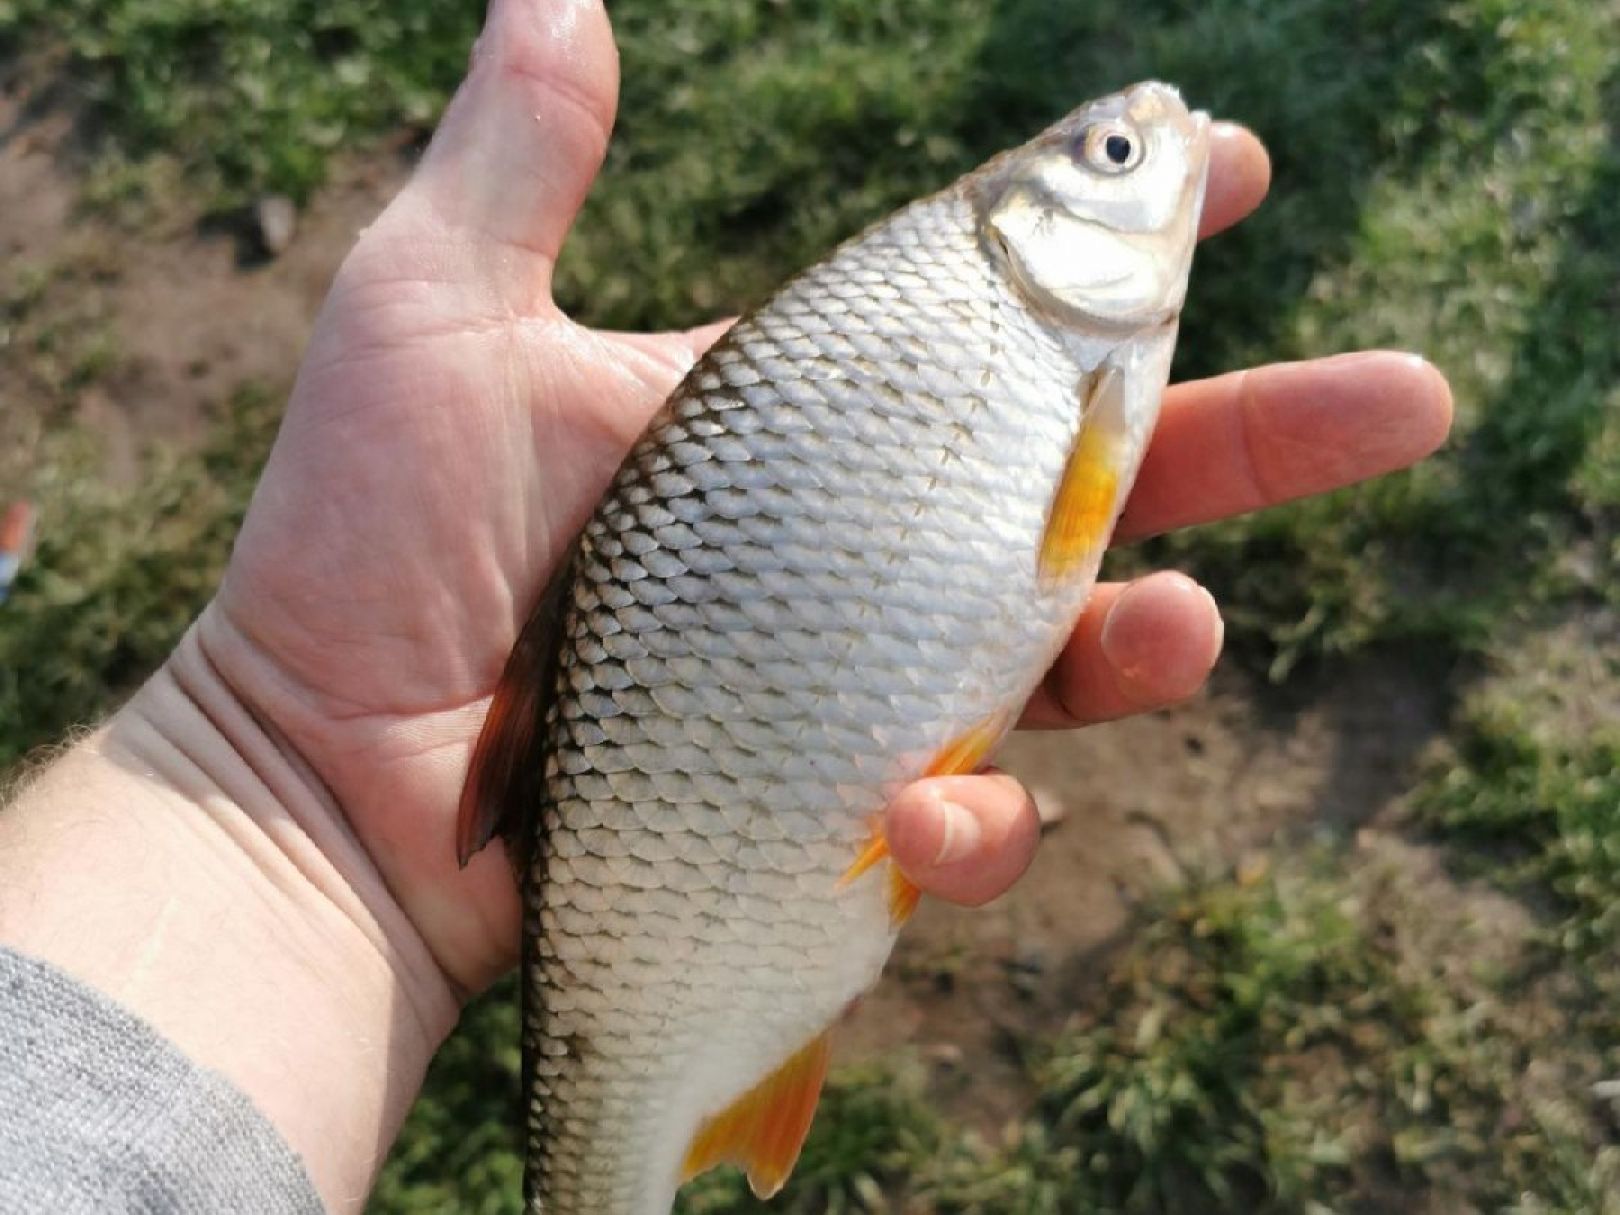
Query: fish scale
{"points": [[822, 569]]}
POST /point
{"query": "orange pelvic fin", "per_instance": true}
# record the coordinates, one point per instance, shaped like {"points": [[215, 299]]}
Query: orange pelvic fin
{"points": [[877, 849], [764, 1129], [1082, 512], [903, 894], [967, 752]]}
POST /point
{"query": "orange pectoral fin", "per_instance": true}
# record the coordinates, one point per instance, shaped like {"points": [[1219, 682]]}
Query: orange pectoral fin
{"points": [[502, 786], [764, 1129], [1083, 508]]}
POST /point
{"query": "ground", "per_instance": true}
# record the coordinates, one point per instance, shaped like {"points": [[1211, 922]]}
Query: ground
{"points": [[1339, 934]]}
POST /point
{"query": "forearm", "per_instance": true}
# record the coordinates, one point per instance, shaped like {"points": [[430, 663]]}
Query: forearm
{"points": [[182, 860]]}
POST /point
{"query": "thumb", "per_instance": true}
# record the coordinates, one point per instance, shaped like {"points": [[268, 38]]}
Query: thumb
{"points": [[964, 838], [522, 140]]}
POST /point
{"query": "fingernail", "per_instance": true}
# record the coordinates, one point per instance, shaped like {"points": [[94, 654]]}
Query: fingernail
{"points": [[961, 833], [1136, 622]]}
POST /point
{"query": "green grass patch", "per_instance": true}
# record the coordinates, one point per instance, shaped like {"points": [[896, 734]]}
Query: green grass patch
{"points": [[1538, 814], [247, 95], [119, 573], [1280, 1047], [56, 329]]}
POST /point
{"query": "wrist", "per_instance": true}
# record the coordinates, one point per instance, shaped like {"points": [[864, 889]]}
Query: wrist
{"points": [[184, 860]]}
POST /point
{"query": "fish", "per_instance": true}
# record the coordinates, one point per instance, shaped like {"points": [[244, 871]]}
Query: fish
{"points": [[840, 558]]}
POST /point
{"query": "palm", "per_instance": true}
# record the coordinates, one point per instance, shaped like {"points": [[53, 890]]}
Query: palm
{"points": [[431, 468]]}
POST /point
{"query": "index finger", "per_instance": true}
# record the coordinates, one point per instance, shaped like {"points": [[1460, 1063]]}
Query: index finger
{"points": [[1255, 438], [1239, 175]]}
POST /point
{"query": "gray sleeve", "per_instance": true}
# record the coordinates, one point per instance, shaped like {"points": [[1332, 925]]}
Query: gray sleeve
{"points": [[99, 1113]]}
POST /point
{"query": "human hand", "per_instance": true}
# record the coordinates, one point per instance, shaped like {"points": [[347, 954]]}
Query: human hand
{"points": [[451, 430]]}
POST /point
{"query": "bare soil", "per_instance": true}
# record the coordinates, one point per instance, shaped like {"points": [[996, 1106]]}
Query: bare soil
{"points": [[194, 305]]}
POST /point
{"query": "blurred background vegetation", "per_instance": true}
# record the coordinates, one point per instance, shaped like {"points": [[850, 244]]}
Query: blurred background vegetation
{"points": [[1281, 1038]]}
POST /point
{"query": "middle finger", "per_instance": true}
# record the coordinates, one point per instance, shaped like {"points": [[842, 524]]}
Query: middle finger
{"points": [[1138, 646]]}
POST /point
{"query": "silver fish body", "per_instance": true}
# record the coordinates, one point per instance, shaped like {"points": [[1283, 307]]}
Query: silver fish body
{"points": [[827, 561]]}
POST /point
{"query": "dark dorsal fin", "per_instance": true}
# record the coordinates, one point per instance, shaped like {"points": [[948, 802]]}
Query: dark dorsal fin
{"points": [[504, 780]]}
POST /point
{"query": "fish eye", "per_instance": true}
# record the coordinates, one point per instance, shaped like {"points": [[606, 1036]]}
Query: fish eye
{"points": [[1110, 147]]}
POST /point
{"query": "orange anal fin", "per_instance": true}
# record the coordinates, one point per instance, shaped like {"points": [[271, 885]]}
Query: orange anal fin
{"points": [[503, 779], [764, 1129], [1083, 508]]}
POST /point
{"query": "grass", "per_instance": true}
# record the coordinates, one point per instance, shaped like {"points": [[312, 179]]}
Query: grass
{"points": [[118, 574], [56, 327], [462, 1152], [1448, 179], [120, 569], [1539, 815], [247, 96]]}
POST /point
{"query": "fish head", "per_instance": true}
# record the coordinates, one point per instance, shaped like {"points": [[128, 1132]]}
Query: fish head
{"points": [[1094, 220]]}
